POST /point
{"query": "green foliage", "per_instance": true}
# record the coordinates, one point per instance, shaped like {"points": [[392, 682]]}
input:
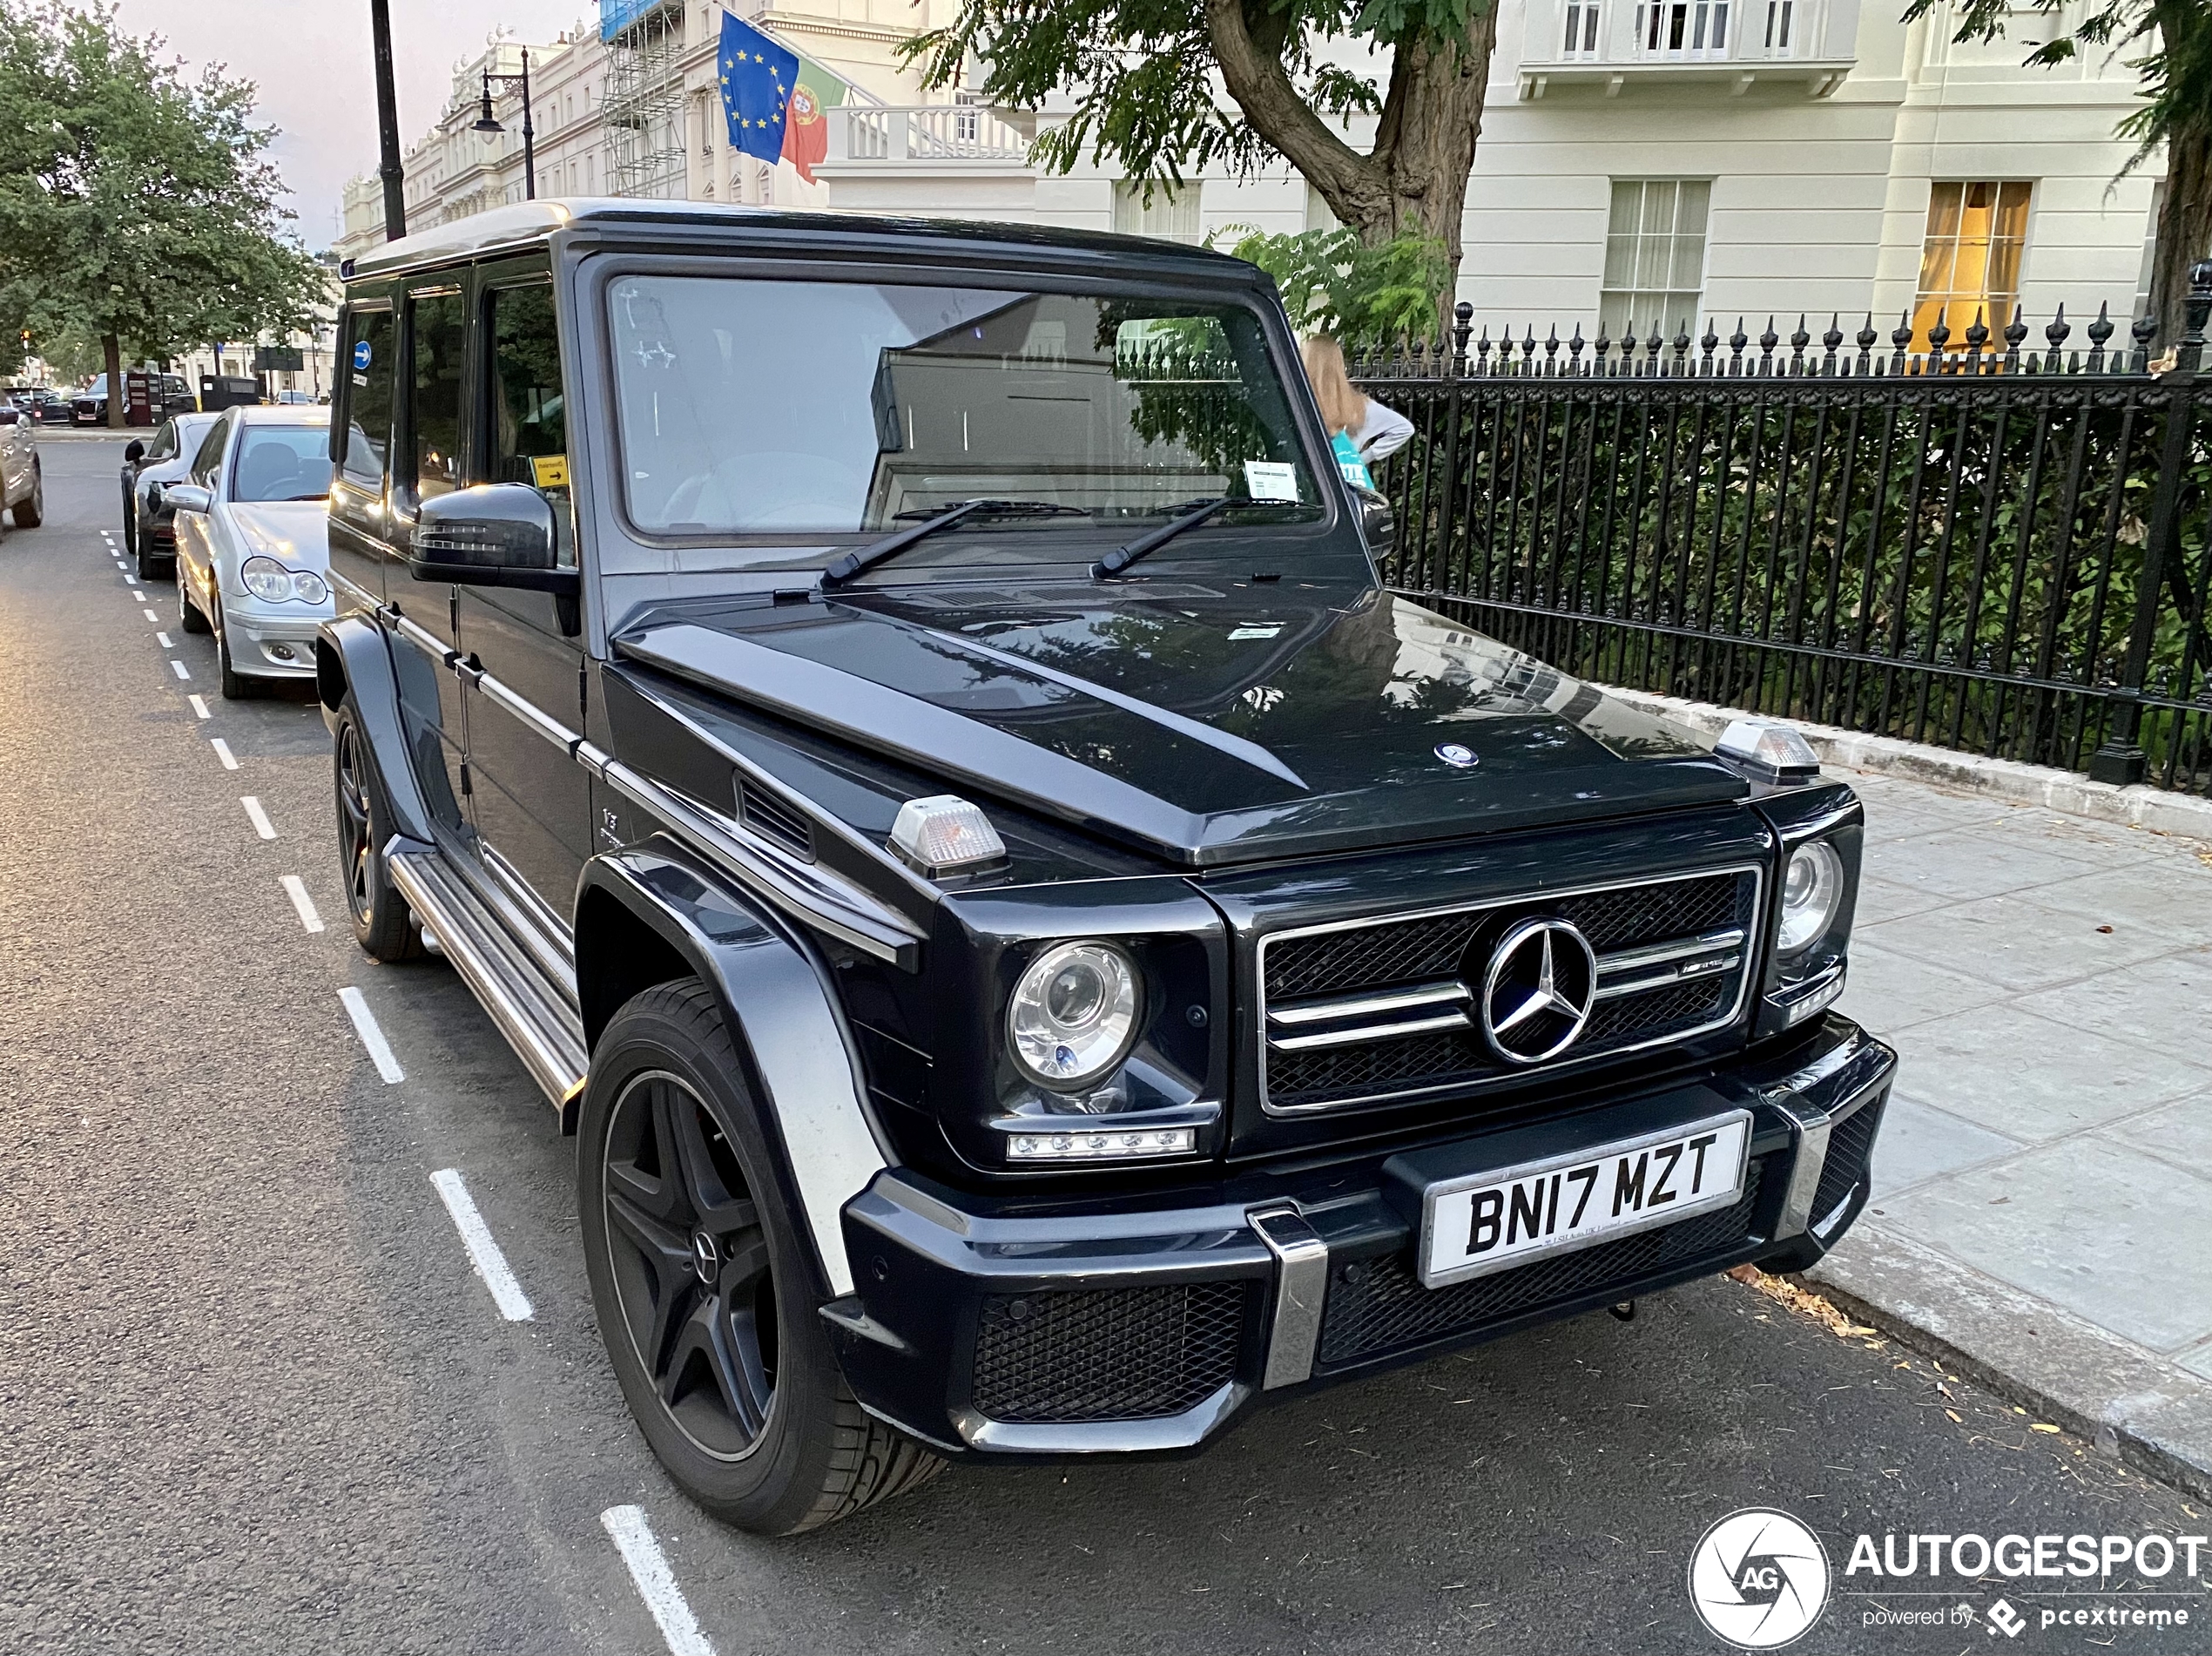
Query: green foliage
{"points": [[136, 206], [1333, 282]]}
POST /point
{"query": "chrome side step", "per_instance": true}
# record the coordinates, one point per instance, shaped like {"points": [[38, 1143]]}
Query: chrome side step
{"points": [[538, 1023]]}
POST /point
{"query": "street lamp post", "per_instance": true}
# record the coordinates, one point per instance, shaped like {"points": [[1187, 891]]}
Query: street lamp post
{"points": [[487, 123], [388, 123]]}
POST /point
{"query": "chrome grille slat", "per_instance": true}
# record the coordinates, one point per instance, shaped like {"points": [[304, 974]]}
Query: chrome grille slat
{"points": [[1671, 965]]}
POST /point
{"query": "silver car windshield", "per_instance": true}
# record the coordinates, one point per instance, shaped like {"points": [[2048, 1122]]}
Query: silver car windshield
{"points": [[282, 463], [782, 409]]}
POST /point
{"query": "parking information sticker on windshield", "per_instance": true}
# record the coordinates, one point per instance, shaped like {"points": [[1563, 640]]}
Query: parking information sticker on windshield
{"points": [[1270, 479]]}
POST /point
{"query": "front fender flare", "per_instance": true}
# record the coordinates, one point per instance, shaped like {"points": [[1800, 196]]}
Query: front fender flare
{"points": [[353, 655], [783, 1016]]}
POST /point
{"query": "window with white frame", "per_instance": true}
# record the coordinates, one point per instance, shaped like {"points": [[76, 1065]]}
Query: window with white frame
{"points": [[2150, 251], [1682, 28], [1970, 260], [1581, 39], [1170, 213], [1655, 256], [1320, 215]]}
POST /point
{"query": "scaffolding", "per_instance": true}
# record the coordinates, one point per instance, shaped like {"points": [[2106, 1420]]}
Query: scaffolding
{"points": [[644, 106]]}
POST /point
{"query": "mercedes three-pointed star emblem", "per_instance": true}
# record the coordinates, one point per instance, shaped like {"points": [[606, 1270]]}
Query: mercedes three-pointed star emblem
{"points": [[1538, 990]]}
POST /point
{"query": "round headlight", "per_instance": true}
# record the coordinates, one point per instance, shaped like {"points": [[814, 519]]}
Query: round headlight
{"points": [[1812, 886], [266, 579], [309, 588], [1073, 1013]]}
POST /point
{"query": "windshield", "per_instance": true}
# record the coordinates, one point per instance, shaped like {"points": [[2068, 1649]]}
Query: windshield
{"points": [[282, 463], [816, 409]]}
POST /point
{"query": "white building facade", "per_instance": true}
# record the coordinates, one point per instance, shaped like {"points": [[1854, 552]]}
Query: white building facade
{"points": [[1659, 163]]}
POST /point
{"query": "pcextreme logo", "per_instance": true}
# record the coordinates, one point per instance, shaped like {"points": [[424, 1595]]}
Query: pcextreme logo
{"points": [[1758, 1578]]}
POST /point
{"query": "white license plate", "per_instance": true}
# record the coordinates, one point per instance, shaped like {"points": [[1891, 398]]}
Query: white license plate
{"points": [[1478, 1223]]}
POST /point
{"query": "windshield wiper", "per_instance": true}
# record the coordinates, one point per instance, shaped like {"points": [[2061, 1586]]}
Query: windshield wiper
{"points": [[1199, 510], [891, 545]]}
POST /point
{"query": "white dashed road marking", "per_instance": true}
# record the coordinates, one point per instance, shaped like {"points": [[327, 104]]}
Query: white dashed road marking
{"points": [[259, 817], [365, 1026], [179, 666], [223, 751], [633, 1539], [485, 1254], [150, 615], [302, 904], [162, 639], [198, 706]]}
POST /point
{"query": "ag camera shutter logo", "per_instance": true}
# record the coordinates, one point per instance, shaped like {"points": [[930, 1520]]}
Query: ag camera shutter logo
{"points": [[1758, 1578]]}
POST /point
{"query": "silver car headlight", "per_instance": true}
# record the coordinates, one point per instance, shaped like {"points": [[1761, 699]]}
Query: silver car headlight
{"points": [[1073, 1013], [1813, 888], [277, 582]]}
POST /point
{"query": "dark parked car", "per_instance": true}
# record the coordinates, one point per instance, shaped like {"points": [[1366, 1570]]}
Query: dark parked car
{"points": [[170, 393], [148, 522], [47, 408], [1042, 952]]}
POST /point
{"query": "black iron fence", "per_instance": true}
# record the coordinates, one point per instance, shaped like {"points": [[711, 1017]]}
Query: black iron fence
{"points": [[1994, 548]]}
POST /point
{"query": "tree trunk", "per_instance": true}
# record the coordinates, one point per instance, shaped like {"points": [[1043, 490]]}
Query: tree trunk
{"points": [[112, 348], [1416, 180], [2184, 228]]}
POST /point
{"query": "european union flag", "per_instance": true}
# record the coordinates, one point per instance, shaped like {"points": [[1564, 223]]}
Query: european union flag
{"points": [[757, 78]]}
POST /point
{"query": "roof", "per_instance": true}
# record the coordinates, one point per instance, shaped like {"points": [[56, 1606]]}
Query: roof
{"points": [[521, 224], [281, 412]]}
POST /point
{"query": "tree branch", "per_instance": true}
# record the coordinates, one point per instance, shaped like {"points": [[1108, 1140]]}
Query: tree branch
{"points": [[1350, 183]]}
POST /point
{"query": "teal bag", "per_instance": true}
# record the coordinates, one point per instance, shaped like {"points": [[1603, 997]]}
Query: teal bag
{"points": [[1349, 462]]}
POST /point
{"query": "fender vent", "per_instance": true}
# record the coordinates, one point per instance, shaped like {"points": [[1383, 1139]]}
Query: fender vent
{"points": [[774, 820]]}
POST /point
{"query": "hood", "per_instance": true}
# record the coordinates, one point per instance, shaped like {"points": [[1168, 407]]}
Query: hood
{"points": [[1209, 725], [295, 531]]}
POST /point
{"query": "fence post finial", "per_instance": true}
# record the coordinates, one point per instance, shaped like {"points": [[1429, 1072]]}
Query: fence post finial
{"points": [[1462, 325], [1708, 345], [2197, 309], [1868, 338]]}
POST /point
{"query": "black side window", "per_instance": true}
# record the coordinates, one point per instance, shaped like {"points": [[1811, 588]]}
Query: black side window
{"points": [[529, 433], [209, 460], [371, 361], [438, 332], [164, 441]]}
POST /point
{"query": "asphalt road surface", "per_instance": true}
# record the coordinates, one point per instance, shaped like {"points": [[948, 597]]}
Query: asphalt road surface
{"points": [[253, 1398]]}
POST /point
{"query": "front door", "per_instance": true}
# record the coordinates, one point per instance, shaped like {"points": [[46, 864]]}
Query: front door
{"points": [[531, 802]]}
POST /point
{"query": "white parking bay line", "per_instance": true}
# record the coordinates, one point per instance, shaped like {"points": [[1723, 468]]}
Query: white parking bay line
{"points": [[259, 817], [198, 706], [483, 1253], [302, 904], [162, 639], [179, 666], [222, 750], [366, 1026], [633, 1539], [150, 615]]}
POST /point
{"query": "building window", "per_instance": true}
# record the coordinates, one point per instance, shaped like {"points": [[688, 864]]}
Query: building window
{"points": [[1171, 214], [1970, 264], [2150, 254], [1682, 28], [1320, 215], [1655, 256], [1581, 29]]}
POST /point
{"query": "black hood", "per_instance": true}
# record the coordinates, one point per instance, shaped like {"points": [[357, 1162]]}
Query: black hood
{"points": [[1209, 725]]}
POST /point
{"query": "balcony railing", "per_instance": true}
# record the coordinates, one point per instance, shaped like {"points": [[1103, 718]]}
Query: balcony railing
{"points": [[1749, 40], [935, 132]]}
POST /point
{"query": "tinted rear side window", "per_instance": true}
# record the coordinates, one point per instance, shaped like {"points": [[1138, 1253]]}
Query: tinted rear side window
{"points": [[368, 399], [438, 331]]}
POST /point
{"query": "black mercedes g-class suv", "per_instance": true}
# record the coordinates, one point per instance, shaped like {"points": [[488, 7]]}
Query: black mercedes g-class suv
{"points": [[900, 726]]}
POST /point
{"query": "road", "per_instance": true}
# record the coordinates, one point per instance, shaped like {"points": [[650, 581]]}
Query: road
{"points": [[253, 1398]]}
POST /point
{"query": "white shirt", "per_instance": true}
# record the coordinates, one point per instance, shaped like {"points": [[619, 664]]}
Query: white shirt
{"points": [[1384, 431]]}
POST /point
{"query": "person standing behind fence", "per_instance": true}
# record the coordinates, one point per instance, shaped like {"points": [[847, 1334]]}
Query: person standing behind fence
{"points": [[1360, 430]]}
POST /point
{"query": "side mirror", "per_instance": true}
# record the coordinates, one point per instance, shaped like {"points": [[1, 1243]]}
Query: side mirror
{"points": [[187, 496], [133, 452], [1377, 521], [496, 534]]}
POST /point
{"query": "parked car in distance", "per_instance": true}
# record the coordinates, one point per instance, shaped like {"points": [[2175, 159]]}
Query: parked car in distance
{"points": [[252, 553], [169, 395], [290, 399], [45, 406], [1042, 952], [23, 485], [150, 465]]}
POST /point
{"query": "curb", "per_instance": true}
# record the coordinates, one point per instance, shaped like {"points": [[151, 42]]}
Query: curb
{"points": [[2154, 1414], [2137, 806]]}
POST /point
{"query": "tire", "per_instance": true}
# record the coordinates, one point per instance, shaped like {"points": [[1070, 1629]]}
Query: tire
{"points": [[30, 513], [188, 615], [383, 925], [236, 685], [731, 1379]]}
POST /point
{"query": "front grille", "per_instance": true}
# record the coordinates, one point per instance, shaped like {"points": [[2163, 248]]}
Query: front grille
{"points": [[1379, 1306], [1849, 1142], [1109, 1354], [1447, 954]]}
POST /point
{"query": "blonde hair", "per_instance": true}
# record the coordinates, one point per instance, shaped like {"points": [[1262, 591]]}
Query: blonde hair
{"points": [[1343, 408]]}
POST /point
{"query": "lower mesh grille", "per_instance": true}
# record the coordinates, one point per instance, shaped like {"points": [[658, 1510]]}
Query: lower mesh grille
{"points": [[1379, 1306], [1112, 1354], [1849, 1142]]}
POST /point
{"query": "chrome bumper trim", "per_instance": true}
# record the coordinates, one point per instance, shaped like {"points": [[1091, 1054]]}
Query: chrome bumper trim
{"points": [[1301, 1290], [1103, 1436]]}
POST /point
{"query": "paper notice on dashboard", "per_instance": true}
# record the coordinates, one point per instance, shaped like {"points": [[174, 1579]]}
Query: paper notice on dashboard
{"points": [[1270, 479]]}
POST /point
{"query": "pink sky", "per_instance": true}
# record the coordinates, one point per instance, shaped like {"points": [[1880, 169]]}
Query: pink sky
{"points": [[310, 58]]}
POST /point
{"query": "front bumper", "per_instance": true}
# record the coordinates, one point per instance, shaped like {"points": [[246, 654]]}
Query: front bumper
{"points": [[273, 641], [1111, 1326]]}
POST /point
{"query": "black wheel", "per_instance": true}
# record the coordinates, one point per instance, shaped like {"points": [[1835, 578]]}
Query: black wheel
{"points": [[236, 685], [188, 615], [30, 513], [706, 1296], [382, 924]]}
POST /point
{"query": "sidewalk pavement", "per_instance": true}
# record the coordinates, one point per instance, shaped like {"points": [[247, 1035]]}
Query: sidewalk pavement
{"points": [[2042, 1200]]}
